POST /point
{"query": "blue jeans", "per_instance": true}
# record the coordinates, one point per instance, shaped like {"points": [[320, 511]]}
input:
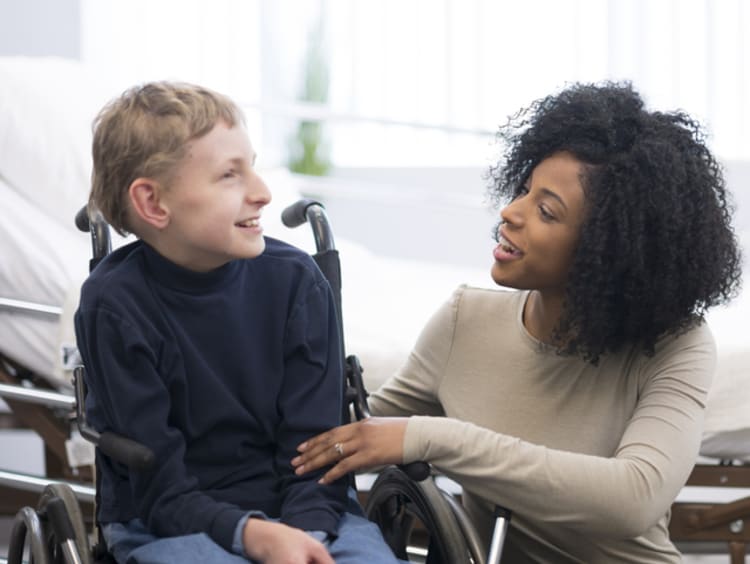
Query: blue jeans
{"points": [[359, 541]]}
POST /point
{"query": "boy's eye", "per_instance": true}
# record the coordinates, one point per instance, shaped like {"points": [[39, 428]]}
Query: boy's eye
{"points": [[229, 174]]}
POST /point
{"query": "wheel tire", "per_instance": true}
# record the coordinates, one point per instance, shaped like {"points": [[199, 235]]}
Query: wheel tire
{"points": [[73, 509], [396, 504]]}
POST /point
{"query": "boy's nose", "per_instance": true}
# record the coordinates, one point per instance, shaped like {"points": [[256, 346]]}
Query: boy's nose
{"points": [[258, 191]]}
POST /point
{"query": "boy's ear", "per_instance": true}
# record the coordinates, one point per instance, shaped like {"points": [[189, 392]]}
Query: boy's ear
{"points": [[145, 197]]}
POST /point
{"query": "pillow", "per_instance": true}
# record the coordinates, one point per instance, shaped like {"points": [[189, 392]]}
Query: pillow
{"points": [[47, 105]]}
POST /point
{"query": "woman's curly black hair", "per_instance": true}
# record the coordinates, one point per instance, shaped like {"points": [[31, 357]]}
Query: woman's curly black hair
{"points": [[656, 248]]}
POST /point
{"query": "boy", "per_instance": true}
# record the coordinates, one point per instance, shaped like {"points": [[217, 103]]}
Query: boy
{"points": [[210, 344]]}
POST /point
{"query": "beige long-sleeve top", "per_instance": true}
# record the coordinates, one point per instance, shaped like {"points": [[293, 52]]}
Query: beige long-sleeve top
{"points": [[588, 458]]}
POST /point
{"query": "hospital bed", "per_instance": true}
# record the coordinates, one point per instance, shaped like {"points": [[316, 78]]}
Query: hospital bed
{"points": [[44, 175]]}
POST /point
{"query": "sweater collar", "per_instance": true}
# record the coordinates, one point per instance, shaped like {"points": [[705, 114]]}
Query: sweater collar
{"points": [[180, 278]]}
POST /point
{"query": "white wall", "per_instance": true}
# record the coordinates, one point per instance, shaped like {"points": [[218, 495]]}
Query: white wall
{"points": [[40, 28]]}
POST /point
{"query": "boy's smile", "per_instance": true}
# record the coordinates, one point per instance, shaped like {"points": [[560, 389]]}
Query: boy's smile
{"points": [[214, 203]]}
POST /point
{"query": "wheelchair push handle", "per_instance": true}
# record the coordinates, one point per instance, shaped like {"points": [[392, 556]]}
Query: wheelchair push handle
{"points": [[82, 219], [313, 212], [92, 221], [296, 214]]}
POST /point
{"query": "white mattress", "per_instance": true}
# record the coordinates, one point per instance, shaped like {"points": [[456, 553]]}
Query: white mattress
{"points": [[40, 262], [46, 108]]}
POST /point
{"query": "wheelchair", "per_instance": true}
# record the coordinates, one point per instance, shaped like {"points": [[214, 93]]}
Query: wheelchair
{"points": [[417, 517]]}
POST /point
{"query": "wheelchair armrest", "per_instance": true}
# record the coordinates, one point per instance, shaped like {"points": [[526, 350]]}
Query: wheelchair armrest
{"points": [[134, 455]]}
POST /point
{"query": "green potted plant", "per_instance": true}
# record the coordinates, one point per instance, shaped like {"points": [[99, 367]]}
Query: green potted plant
{"points": [[308, 149]]}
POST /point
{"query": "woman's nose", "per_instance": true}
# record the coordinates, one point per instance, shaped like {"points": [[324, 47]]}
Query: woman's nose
{"points": [[511, 214]]}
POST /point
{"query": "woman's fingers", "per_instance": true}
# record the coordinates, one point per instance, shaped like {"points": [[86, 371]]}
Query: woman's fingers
{"points": [[324, 454], [344, 467], [325, 449], [328, 439], [361, 445], [320, 457]]}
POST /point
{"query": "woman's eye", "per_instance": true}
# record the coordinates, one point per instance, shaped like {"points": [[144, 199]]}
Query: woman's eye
{"points": [[546, 215]]}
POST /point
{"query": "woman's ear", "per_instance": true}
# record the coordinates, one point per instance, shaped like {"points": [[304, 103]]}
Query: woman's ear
{"points": [[147, 204]]}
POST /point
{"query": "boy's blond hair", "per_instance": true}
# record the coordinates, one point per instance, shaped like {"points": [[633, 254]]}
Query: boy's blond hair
{"points": [[144, 133]]}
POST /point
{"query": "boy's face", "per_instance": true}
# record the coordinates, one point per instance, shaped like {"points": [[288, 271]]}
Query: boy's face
{"points": [[214, 202]]}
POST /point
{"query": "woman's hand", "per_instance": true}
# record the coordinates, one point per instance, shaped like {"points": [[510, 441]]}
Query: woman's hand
{"points": [[374, 441]]}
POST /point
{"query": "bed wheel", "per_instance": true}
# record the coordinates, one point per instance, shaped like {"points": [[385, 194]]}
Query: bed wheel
{"points": [[413, 513]]}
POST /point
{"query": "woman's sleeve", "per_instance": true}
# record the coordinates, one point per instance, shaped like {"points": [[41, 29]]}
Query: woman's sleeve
{"points": [[413, 389], [621, 495]]}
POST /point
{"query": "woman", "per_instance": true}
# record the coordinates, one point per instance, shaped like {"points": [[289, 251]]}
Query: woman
{"points": [[576, 401]]}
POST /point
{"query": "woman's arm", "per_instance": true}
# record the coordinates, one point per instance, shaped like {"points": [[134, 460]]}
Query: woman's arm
{"points": [[620, 495]]}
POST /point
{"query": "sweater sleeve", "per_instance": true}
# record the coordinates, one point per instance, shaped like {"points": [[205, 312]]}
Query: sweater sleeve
{"points": [[617, 496], [310, 403], [128, 394]]}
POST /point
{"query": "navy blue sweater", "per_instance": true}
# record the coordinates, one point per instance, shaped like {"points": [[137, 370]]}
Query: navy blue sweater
{"points": [[222, 374]]}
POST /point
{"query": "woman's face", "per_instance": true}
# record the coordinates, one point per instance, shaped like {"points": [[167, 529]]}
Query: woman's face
{"points": [[539, 229]]}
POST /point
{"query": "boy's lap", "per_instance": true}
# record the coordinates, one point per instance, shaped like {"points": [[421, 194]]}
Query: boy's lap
{"points": [[359, 541], [131, 543], [189, 549]]}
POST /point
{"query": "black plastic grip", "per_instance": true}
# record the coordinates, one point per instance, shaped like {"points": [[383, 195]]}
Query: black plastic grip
{"points": [[502, 513], [82, 219], [417, 471], [295, 214], [134, 455], [58, 517]]}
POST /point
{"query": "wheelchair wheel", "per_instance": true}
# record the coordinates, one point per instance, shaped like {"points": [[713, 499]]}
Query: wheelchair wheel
{"points": [[73, 509], [416, 514]]}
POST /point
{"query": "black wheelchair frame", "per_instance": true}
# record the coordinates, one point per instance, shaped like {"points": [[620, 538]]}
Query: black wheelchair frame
{"points": [[405, 501]]}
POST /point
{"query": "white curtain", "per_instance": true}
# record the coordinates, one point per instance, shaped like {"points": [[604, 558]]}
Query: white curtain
{"points": [[214, 43], [455, 69], [471, 63]]}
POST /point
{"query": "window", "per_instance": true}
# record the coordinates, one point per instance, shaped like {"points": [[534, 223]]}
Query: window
{"points": [[426, 82]]}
